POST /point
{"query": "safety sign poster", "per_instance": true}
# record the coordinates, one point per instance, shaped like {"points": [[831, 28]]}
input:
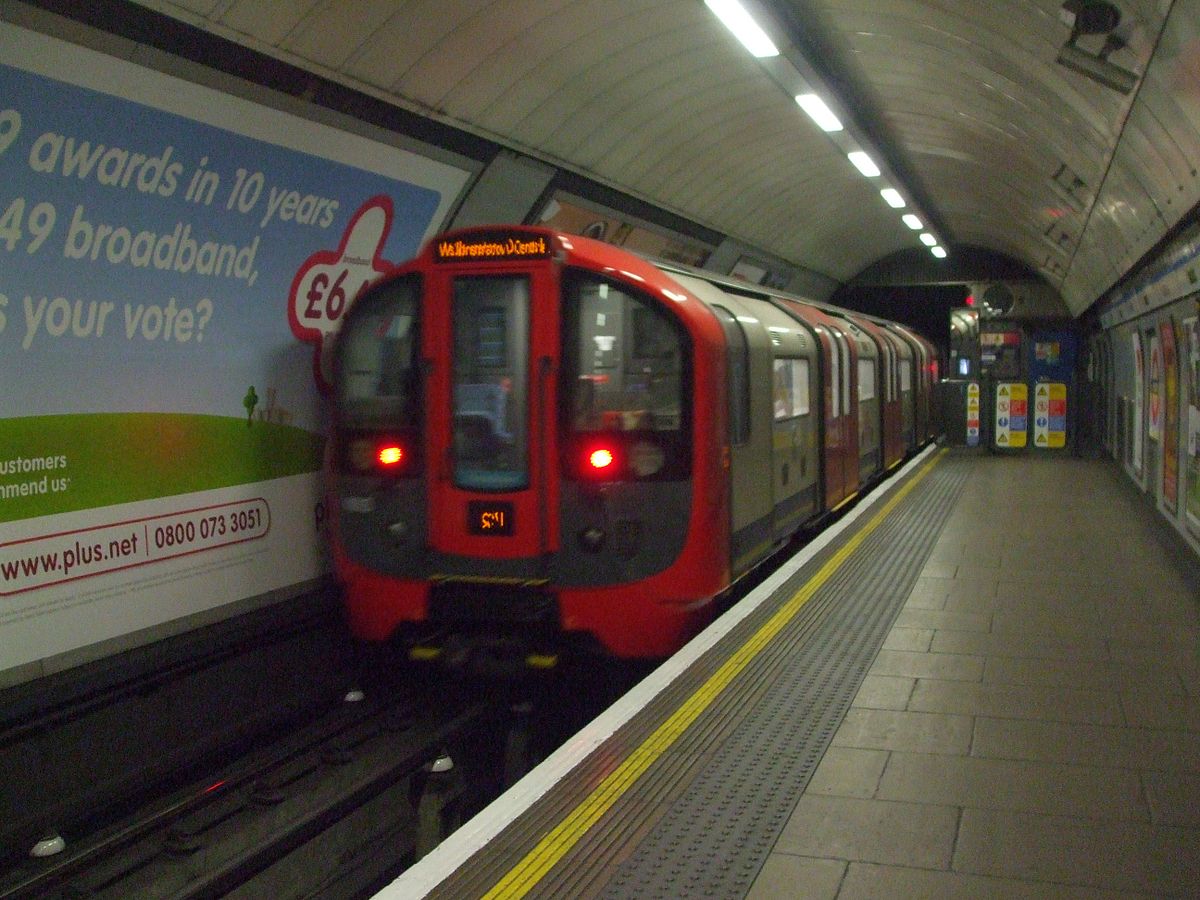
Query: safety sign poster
{"points": [[973, 414], [1012, 414], [1050, 415]]}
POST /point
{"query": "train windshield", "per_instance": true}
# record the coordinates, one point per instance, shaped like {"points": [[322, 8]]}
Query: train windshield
{"points": [[491, 371], [379, 380], [625, 365]]}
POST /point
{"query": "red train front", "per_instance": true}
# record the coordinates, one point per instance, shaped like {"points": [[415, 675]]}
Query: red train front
{"points": [[517, 446]]}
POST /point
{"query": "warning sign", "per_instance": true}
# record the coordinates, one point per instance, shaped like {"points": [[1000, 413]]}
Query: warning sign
{"points": [[1012, 415], [973, 414], [1050, 415]]}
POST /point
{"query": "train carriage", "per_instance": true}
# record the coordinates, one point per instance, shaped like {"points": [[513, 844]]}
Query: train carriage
{"points": [[541, 435]]}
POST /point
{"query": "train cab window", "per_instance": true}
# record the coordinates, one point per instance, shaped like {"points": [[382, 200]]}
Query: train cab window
{"points": [[490, 382], [625, 375], [378, 358], [739, 376], [790, 391]]}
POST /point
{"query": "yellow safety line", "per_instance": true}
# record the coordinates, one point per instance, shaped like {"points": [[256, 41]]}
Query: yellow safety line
{"points": [[559, 841]]}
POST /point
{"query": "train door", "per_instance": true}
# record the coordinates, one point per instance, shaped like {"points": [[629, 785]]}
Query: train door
{"points": [[925, 379], [491, 344], [887, 415], [906, 397], [846, 408], [748, 352], [839, 415]]}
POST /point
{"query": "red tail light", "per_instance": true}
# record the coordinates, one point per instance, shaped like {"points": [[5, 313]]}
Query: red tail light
{"points": [[601, 458], [378, 455], [390, 455]]}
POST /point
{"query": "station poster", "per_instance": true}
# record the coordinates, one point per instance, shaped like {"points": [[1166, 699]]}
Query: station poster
{"points": [[1139, 391], [1170, 474], [1191, 356], [172, 259]]}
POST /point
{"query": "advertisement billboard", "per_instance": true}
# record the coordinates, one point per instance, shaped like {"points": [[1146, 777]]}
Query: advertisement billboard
{"points": [[172, 259]]}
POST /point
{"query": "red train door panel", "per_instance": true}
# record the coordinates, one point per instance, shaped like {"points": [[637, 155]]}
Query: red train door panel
{"points": [[492, 347]]}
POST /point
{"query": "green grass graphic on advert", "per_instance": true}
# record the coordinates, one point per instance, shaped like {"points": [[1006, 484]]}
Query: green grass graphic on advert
{"points": [[56, 464]]}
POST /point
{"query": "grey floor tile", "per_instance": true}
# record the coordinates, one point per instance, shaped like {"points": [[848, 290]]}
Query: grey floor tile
{"points": [[1174, 798], [924, 601], [915, 640], [1010, 701], [1113, 795], [913, 834], [914, 732], [939, 570], [1158, 750], [1030, 643], [932, 588], [1175, 637], [867, 881], [1144, 709], [1123, 856], [848, 772], [785, 877], [1156, 676], [944, 620], [884, 692], [978, 565], [952, 666]]}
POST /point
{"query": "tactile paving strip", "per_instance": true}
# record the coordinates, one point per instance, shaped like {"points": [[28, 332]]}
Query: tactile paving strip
{"points": [[716, 837], [701, 820]]}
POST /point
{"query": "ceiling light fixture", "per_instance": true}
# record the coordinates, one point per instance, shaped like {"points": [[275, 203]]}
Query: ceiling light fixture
{"points": [[893, 198], [819, 112], [734, 17], [939, 252], [863, 163], [912, 222], [928, 239]]}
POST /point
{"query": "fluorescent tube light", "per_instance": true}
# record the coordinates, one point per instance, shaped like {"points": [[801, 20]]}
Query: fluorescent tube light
{"points": [[819, 112], [912, 222], [734, 17], [939, 252], [928, 239], [893, 198], [863, 163]]}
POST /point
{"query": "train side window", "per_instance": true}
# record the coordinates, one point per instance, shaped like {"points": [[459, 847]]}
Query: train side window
{"points": [[377, 361], [866, 379], [739, 376], [790, 394]]}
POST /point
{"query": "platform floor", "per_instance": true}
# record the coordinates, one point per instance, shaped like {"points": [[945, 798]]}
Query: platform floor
{"points": [[1031, 726], [989, 687]]}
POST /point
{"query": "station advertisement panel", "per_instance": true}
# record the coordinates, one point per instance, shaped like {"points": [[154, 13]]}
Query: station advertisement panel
{"points": [[1191, 467], [1170, 473], [172, 260]]}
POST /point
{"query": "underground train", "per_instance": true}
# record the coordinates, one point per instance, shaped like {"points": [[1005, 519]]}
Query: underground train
{"points": [[541, 434]]}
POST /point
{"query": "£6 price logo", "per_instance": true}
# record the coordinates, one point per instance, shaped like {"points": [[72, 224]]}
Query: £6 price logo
{"points": [[329, 281]]}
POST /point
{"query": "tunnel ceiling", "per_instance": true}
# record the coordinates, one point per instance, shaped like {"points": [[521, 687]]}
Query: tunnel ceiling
{"points": [[998, 145]]}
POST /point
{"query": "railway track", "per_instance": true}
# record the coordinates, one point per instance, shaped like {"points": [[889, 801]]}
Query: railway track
{"points": [[326, 810]]}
